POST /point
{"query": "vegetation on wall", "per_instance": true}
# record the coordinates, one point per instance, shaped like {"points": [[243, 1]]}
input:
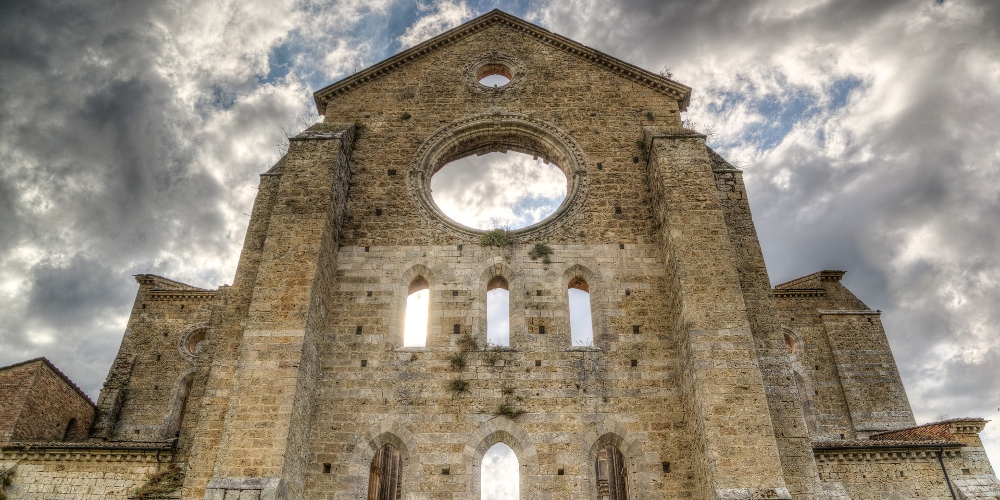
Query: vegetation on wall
{"points": [[160, 483], [495, 238], [6, 478]]}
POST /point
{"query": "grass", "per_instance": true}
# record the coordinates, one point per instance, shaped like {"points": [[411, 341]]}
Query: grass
{"points": [[458, 385], [466, 343], [495, 238], [458, 361], [541, 251], [161, 482], [509, 411]]}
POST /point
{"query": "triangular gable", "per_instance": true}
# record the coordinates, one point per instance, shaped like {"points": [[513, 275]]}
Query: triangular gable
{"points": [[621, 68]]}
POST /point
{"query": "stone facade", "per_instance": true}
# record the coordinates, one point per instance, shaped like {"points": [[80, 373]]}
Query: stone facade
{"points": [[702, 381]]}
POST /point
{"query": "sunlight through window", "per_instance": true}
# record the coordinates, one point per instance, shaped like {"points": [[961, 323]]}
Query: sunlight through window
{"points": [[497, 312], [417, 305], [500, 475], [581, 325]]}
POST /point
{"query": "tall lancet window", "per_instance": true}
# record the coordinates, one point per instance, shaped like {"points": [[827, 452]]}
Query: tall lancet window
{"points": [[417, 307], [499, 474], [581, 325], [612, 474], [498, 312], [386, 475]]}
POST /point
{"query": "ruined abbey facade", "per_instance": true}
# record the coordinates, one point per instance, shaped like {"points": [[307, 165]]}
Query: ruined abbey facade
{"points": [[702, 382]]}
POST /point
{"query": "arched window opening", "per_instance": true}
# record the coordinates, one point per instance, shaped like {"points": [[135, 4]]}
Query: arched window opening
{"points": [[498, 312], [71, 430], [808, 407], [612, 474], [790, 343], [417, 307], [180, 405], [581, 325], [500, 474], [196, 342], [386, 475]]}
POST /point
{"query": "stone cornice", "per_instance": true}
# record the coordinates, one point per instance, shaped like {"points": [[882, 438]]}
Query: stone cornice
{"points": [[802, 293], [831, 452], [859, 312], [81, 452], [621, 68], [182, 295]]}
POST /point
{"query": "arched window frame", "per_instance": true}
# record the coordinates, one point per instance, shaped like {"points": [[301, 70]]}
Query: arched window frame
{"points": [[498, 282], [598, 291], [417, 284], [578, 283], [382, 486], [506, 431], [71, 430], [641, 485], [397, 323], [180, 404], [515, 306]]}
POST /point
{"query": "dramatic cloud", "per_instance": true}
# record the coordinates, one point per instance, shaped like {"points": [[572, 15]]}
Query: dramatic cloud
{"points": [[499, 190], [867, 134], [132, 133]]}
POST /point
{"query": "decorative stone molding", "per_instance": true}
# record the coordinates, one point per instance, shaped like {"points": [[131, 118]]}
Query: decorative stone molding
{"points": [[798, 294], [498, 131], [666, 86], [364, 446], [898, 453], [161, 295], [46, 452], [861, 312], [610, 432], [501, 430], [515, 71], [184, 343]]}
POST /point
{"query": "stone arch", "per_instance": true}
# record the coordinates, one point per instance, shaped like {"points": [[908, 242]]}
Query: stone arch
{"points": [[188, 340], [365, 446], [808, 404], [397, 316], [179, 396], [498, 131], [72, 431], [599, 298], [629, 444], [496, 268], [506, 431], [793, 343]]}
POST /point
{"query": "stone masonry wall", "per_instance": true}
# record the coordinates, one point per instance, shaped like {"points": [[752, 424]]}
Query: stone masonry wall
{"points": [[15, 385], [41, 405], [573, 397], [840, 353], [784, 402], [148, 381], [79, 474], [202, 433]]}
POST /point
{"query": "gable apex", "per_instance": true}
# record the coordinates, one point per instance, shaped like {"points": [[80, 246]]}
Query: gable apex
{"points": [[666, 86]]}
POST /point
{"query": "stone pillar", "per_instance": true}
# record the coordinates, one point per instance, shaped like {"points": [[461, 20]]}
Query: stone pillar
{"points": [[784, 402], [733, 443], [867, 369], [263, 446]]}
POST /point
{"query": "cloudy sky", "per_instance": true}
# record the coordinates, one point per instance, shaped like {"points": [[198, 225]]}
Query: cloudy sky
{"points": [[132, 135]]}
